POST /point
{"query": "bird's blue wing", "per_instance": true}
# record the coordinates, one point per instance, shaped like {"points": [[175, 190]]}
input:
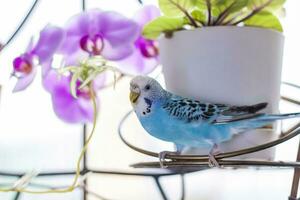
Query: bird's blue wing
{"points": [[192, 110]]}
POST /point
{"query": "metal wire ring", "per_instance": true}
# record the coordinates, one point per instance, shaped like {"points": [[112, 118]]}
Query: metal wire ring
{"points": [[202, 160]]}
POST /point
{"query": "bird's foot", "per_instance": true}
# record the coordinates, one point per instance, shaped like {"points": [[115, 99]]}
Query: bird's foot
{"points": [[212, 161], [162, 157]]}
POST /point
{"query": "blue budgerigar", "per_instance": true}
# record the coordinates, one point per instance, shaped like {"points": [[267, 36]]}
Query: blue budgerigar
{"points": [[192, 123]]}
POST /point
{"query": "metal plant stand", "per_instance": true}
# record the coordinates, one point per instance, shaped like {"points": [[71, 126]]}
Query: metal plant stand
{"points": [[296, 177], [200, 162], [85, 169]]}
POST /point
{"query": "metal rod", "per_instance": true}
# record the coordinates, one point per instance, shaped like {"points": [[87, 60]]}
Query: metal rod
{"points": [[293, 128], [286, 137], [160, 189], [18, 195], [65, 173], [290, 100], [83, 5], [182, 187], [224, 163], [126, 116], [291, 84], [295, 185], [124, 173], [94, 194], [162, 172], [20, 25]]}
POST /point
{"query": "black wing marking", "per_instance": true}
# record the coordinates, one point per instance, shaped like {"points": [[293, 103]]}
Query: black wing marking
{"points": [[240, 113], [193, 110]]}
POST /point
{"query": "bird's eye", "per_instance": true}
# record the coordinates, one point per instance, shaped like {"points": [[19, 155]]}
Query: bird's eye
{"points": [[147, 87]]}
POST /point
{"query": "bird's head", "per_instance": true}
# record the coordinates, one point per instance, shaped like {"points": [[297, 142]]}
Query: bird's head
{"points": [[142, 87]]}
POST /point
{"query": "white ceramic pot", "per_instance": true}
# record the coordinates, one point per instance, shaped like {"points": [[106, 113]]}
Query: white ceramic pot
{"points": [[226, 64]]}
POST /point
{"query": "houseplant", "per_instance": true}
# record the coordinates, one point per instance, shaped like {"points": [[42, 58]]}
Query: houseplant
{"points": [[223, 51]]}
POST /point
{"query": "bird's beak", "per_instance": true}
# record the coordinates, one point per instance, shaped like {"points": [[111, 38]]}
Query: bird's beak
{"points": [[133, 96]]}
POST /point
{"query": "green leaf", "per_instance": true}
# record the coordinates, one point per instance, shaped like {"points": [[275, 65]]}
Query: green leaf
{"points": [[201, 4], [199, 15], [218, 6], [162, 24], [176, 8], [268, 5], [264, 19], [230, 5], [228, 8], [275, 4]]}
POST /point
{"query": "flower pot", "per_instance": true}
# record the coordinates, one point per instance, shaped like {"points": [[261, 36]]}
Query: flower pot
{"points": [[226, 64]]}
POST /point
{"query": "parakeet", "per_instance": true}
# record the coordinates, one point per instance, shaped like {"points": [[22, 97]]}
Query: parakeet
{"points": [[192, 123]]}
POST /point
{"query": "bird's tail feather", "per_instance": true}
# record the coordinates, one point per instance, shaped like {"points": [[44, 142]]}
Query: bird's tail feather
{"points": [[251, 109], [278, 117], [264, 120], [240, 110]]}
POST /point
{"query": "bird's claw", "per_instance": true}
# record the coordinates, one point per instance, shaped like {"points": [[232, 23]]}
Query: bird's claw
{"points": [[212, 161], [162, 157]]}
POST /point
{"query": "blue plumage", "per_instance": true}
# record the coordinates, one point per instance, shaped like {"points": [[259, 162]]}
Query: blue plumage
{"points": [[192, 123]]}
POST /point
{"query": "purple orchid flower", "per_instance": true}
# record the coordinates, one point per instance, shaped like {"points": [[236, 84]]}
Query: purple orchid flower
{"points": [[65, 106], [97, 32], [90, 33], [25, 66], [144, 58]]}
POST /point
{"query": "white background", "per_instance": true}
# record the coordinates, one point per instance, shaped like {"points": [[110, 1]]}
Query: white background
{"points": [[31, 137]]}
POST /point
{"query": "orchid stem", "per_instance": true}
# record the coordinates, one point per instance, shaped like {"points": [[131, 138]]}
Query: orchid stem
{"points": [[78, 168]]}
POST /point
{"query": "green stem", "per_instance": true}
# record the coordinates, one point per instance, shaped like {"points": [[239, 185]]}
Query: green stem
{"points": [[190, 18], [224, 14], [208, 3], [254, 12], [232, 19]]}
